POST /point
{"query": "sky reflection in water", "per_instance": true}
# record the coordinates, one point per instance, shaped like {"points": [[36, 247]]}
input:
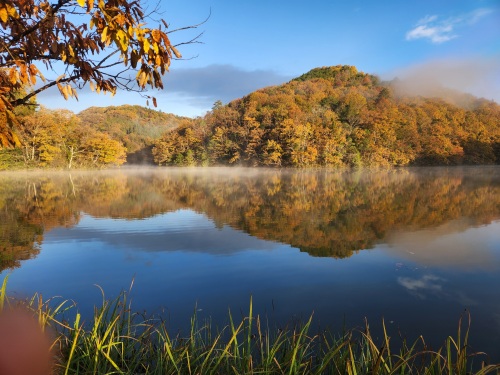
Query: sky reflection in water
{"points": [[419, 276]]}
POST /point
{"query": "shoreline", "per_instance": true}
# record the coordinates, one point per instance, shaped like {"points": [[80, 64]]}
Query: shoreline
{"points": [[119, 340]]}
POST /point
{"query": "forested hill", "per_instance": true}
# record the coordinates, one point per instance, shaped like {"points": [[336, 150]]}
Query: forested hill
{"points": [[95, 138], [135, 126], [338, 116]]}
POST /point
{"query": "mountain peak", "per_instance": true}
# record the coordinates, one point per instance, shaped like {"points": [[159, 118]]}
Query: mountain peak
{"points": [[340, 75]]}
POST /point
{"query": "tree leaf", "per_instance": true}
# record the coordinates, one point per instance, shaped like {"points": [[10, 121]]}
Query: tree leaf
{"points": [[156, 34], [4, 16], [146, 45], [176, 52], [104, 35]]}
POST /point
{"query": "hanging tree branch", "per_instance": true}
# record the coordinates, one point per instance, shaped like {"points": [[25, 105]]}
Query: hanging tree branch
{"points": [[39, 32]]}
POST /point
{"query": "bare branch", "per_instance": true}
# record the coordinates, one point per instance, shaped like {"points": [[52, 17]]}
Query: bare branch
{"points": [[192, 41], [192, 26]]}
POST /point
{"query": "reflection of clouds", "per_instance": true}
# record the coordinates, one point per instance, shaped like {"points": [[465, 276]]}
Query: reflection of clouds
{"points": [[434, 285], [182, 230], [457, 243], [426, 284]]}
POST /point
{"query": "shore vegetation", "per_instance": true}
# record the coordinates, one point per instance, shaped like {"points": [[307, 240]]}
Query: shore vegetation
{"points": [[117, 340]]}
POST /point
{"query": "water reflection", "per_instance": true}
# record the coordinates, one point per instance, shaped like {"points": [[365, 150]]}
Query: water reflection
{"points": [[214, 237], [183, 231], [421, 286], [458, 243], [429, 285], [323, 213]]}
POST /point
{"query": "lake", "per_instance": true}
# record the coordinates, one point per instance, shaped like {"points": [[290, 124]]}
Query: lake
{"points": [[412, 247]]}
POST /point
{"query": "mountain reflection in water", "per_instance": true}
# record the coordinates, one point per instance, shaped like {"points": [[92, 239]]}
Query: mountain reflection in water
{"points": [[297, 241], [323, 213]]}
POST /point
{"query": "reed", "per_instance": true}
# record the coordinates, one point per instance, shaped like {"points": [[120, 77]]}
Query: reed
{"points": [[120, 341]]}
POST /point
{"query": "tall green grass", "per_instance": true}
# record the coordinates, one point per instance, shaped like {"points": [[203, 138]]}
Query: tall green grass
{"points": [[120, 341]]}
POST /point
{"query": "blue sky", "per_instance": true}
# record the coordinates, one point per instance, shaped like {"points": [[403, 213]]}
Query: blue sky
{"points": [[252, 44]]}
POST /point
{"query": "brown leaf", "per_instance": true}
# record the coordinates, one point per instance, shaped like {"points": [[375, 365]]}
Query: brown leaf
{"points": [[156, 34], [176, 52]]}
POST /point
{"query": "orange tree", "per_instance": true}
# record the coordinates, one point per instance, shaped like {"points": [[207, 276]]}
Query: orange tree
{"points": [[94, 42]]}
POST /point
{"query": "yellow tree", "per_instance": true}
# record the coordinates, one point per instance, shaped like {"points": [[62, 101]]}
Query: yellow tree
{"points": [[41, 133], [272, 153], [57, 138], [111, 38], [102, 150], [180, 146], [304, 151]]}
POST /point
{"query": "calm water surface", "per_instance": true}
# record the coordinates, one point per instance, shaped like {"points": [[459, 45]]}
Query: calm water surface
{"points": [[412, 246]]}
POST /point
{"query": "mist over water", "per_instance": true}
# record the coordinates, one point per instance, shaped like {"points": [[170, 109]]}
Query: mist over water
{"points": [[413, 246]]}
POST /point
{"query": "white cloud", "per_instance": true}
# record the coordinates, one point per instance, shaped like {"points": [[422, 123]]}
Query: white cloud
{"points": [[477, 15], [224, 82], [437, 34], [427, 19], [440, 31], [433, 286], [201, 87]]}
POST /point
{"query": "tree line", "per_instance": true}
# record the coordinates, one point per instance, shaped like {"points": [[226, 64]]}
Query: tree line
{"points": [[59, 139], [338, 117], [331, 117], [105, 45], [97, 137]]}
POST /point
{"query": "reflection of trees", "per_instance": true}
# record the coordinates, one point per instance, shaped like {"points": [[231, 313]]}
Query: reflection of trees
{"points": [[18, 241], [32, 204], [334, 214], [29, 207], [322, 213]]}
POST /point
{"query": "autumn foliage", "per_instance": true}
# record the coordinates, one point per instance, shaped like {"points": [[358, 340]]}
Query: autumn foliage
{"points": [[337, 116], [95, 138], [136, 127], [324, 213], [113, 39], [329, 117], [59, 139]]}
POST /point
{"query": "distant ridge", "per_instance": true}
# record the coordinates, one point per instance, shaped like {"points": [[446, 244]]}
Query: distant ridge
{"points": [[135, 126]]}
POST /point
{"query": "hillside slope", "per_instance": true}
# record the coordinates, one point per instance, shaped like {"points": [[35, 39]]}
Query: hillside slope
{"points": [[338, 116], [135, 126]]}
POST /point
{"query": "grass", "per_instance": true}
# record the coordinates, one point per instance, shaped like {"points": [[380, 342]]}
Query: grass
{"points": [[119, 341], [11, 158]]}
